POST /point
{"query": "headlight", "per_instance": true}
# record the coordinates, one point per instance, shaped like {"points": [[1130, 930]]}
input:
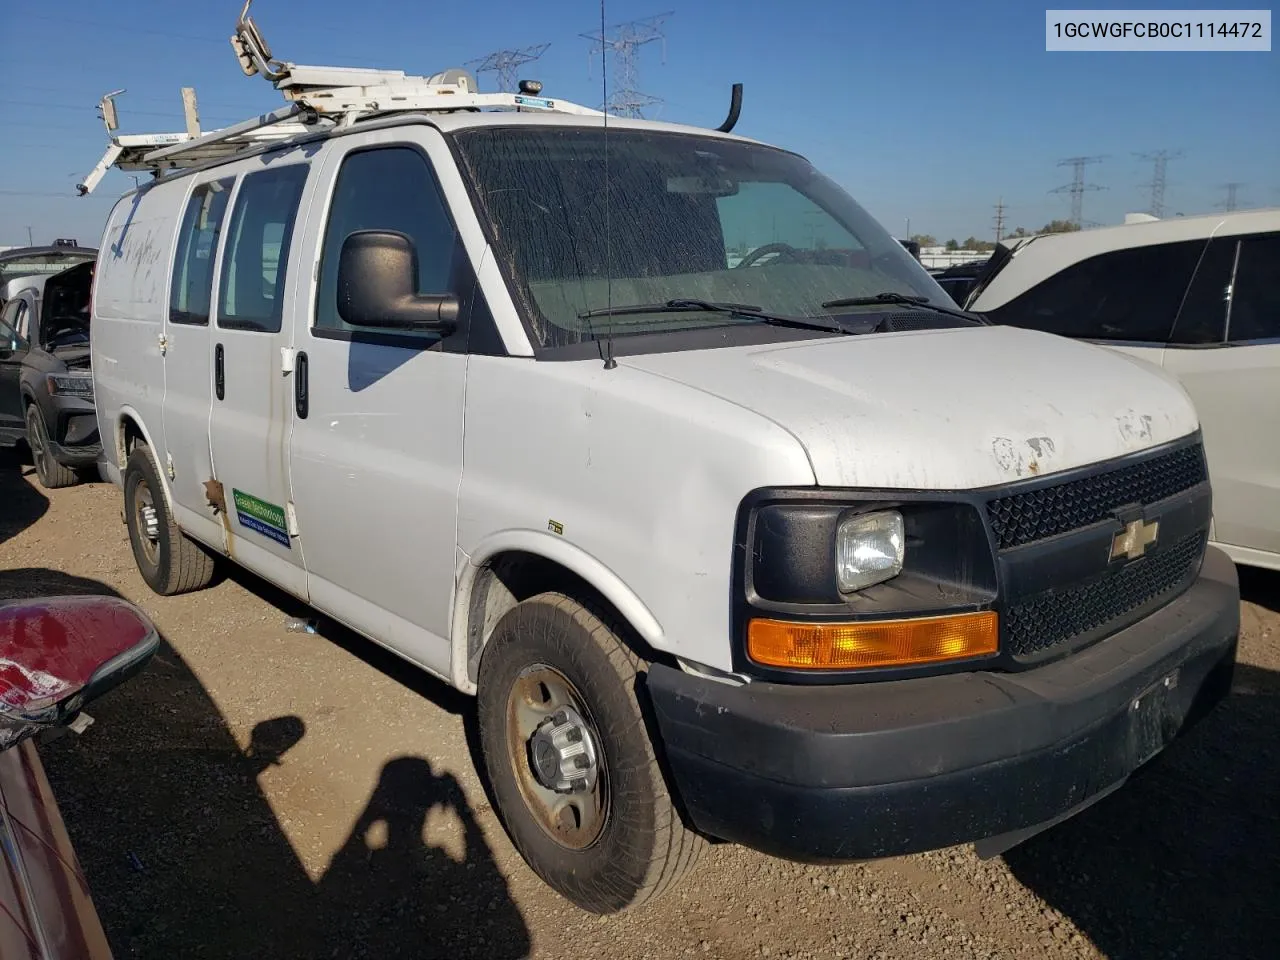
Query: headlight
{"points": [[71, 385], [869, 550]]}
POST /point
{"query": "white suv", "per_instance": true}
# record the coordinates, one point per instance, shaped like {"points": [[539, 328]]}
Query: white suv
{"points": [[1198, 296], [788, 553]]}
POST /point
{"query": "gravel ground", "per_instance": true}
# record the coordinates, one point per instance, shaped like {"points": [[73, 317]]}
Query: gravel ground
{"points": [[262, 793]]}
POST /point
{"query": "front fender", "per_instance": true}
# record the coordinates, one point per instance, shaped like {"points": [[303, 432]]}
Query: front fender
{"points": [[559, 551]]}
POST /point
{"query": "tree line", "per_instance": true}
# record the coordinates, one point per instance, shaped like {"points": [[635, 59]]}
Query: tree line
{"points": [[985, 246]]}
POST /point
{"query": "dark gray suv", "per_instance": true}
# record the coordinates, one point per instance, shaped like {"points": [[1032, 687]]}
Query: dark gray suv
{"points": [[46, 389]]}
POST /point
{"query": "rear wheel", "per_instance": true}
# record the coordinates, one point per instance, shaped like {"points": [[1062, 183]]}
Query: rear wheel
{"points": [[168, 560], [574, 773], [49, 471]]}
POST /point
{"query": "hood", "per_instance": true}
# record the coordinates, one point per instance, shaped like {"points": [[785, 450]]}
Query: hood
{"points": [[943, 409]]}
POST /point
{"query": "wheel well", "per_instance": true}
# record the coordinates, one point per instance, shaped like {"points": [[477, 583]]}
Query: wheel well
{"points": [[508, 578], [130, 436]]}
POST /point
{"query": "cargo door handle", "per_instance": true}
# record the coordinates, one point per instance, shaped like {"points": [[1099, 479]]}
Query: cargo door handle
{"points": [[219, 374], [301, 369]]}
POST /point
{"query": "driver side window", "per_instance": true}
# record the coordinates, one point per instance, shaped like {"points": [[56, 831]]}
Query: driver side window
{"points": [[764, 218]]}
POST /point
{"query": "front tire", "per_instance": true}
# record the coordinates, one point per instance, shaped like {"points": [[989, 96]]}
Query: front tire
{"points": [[169, 561], [51, 474], [574, 773]]}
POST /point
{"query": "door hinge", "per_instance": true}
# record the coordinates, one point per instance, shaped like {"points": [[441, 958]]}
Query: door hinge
{"points": [[168, 465], [163, 341], [290, 518]]}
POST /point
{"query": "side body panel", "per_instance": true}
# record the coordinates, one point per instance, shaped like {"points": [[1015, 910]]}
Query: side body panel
{"points": [[129, 300]]}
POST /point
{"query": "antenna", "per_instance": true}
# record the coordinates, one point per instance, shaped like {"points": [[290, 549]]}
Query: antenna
{"points": [[1159, 161], [504, 63], [1077, 186], [609, 362], [625, 40]]}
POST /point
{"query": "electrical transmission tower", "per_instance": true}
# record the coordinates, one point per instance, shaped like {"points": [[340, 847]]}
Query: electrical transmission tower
{"points": [[999, 219], [504, 63], [1159, 162], [1231, 200], [1077, 186], [624, 41]]}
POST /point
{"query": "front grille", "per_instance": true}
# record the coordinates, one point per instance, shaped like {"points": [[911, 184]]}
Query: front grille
{"points": [[1026, 517], [1035, 624]]}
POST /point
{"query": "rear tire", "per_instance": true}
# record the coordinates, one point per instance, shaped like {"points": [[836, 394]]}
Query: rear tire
{"points": [[51, 474], [168, 560], [609, 848]]}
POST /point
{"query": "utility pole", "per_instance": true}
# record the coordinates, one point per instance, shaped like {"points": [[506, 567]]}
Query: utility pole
{"points": [[624, 42], [999, 219], [504, 64], [1231, 200], [1159, 161], [1077, 186], [30, 242]]}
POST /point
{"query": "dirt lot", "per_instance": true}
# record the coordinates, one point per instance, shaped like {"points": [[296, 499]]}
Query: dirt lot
{"points": [[262, 793]]}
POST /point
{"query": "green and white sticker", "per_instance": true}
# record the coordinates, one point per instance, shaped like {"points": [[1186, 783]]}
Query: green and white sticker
{"points": [[261, 517]]}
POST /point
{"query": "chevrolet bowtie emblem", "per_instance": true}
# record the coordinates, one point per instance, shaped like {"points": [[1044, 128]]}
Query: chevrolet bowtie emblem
{"points": [[1133, 540]]}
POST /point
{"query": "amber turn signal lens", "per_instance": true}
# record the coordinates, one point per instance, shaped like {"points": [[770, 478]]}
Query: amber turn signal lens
{"points": [[872, 643]]}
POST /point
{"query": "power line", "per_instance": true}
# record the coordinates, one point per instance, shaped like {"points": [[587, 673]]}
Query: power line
{"points": [[1159, 163], [69, 195], [624, 41], [1077, 186], [504, 63]]}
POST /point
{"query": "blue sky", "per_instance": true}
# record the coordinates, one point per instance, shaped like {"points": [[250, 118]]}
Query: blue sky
{"points": [[923, 110]]}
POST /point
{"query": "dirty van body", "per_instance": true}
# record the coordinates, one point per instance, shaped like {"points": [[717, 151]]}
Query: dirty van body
{"points": [[786, 552]]}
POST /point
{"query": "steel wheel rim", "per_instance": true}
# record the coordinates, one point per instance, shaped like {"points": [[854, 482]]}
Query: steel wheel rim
{"points": [[146, 521], [538, 696]]}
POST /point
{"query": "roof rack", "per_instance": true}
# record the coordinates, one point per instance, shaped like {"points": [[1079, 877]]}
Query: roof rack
{"points": [[318, 98]]}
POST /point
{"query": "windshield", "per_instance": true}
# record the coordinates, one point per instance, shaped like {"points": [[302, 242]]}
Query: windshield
{"points": [[688, 217]]}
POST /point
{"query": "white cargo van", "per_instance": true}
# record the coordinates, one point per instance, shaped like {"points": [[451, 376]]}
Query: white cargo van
{"points": [[787, 553]]}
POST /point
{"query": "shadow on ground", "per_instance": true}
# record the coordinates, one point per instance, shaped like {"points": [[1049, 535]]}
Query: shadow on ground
{"points": [[21, 504], [186, 858], [1184, 860]]}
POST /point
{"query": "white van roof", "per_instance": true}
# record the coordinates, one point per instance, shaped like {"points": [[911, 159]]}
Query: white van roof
{"points": [[1034, 262]]}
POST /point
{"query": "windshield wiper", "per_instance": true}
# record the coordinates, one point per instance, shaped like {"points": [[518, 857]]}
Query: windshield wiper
{"points": [[907, 299], [744, 310]]}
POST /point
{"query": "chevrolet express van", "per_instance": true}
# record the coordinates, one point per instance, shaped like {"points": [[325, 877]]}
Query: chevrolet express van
{"points": [[789, 553]]}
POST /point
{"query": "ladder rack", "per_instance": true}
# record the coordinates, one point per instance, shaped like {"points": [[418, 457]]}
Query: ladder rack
{"points": [[318, 98]]}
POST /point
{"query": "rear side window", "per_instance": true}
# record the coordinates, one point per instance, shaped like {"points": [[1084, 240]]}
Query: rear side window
{"points": [[1131, 295], [389, 188], [1203, 317], [192, 284], [1255, 291], [251, 287]]}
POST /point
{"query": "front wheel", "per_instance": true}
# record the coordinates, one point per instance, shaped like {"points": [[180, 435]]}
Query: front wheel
{"points": [[574, 774], [51, 474]]}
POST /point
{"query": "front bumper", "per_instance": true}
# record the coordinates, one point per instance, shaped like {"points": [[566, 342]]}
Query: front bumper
{"points": [[73, 431], [851, 772]]}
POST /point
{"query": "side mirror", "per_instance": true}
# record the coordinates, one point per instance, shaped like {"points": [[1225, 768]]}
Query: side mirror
{"points": [[58, 654], [378, 283]]}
